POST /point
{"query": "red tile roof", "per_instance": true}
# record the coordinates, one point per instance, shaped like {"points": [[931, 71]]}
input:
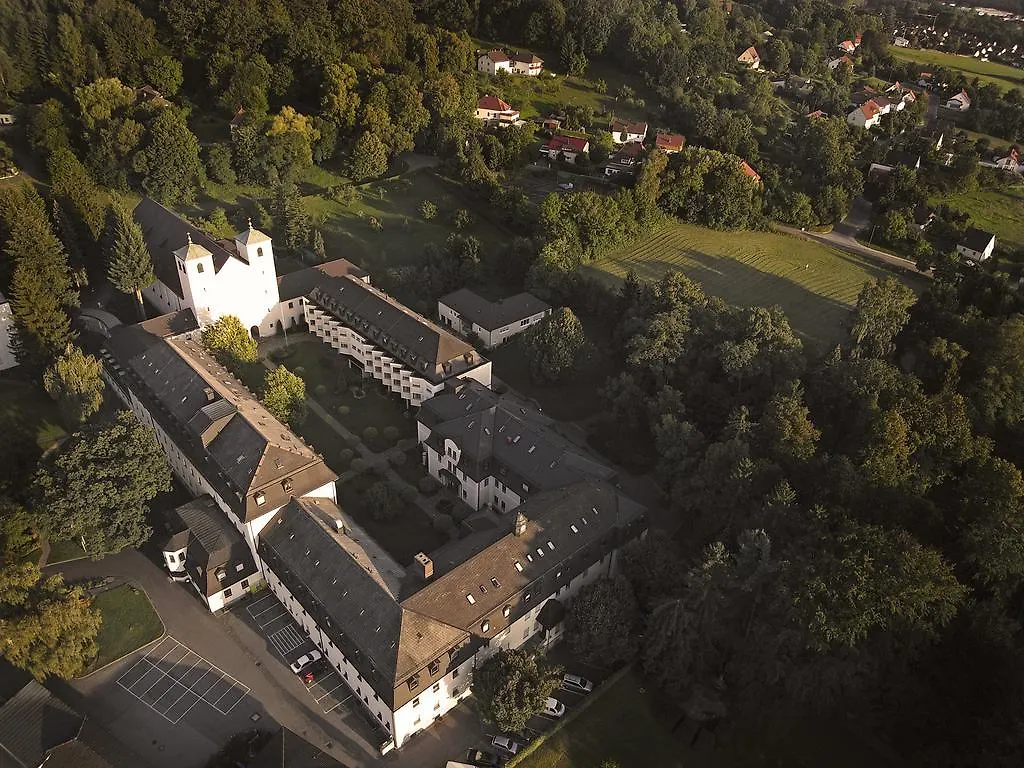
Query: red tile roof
{"points": [[748, 171], [670, 142], [497, 56], [494, 104], [571, 143], [869, 109], [749, 56]]}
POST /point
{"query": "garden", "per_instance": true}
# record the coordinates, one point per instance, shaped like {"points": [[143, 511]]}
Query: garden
{"points": [[129, 622]]}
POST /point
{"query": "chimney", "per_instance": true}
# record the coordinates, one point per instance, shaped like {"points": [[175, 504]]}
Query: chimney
{"points": [[210, 394], [520, 525], [339, 525], [425, 569]]}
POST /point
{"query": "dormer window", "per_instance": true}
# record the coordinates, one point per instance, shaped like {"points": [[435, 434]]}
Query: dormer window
{"points": [[260, 499], [506, 611], [485, 626]]}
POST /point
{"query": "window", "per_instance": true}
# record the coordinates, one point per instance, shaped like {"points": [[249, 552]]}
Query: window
{"points": [[524, 322], [455, 691], [437, 687], [260, 499], [291, 304], [416, 701], [455, 674], [519, 566], [199, 268], [437, 705], [485, 626], [529, 595], [506, 611], [259, 251], [227, 592], [471, 600], [245, 583], [495, 581], [239, 567]]}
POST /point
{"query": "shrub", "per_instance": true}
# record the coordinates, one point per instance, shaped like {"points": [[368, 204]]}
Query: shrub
{"points": [[343, 410], [346, 455], [391, 434], [383, 500], [461, 219], [444, 506], [408, 494], [357, 465], [398, 460], [370, 434], [443, 524], [320, 389], [299, 371], [428, 210], [460, 512], [427, 485]]}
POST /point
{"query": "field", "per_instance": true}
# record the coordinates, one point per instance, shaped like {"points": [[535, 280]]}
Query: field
{"points": [[999, 211], [999, 75], [815, 285], [129, 622]]}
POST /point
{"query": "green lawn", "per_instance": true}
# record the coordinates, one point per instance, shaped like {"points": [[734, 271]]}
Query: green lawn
{"points": [[62, 551], [129, 622], [999, 211], [26, 409], [619, 726], [411, 531], [986, 71], [815, 285]]}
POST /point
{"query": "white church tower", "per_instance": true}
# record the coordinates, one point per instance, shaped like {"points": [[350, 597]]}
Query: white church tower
{"points": [[197, 275]]}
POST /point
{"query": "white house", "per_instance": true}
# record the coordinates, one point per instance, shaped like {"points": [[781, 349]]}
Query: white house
{"points": [[494, 322], [495, 111], [7, 358], [976, 245], [624, 132], [961, 102], [626, 160], [495, 450], [1010, 161], [567, 148], [750, 58], [895, 159], [407, 353], [901, 42], [527, 64], [497, 61], [203, 546], [866, 116]]}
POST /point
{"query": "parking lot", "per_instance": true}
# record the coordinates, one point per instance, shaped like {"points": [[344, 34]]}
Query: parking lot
{"points": [[171, 679], [290, 642]]}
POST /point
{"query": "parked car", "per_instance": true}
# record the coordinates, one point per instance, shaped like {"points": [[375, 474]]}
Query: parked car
{"points": [[483, 759], [576, 684], [567, 187], [505, 743], [305, 660], [553, 707], [179, 577]]}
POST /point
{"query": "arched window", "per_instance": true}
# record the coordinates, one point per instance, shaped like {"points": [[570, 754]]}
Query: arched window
{"points": [[259, 252], [199, 268]]}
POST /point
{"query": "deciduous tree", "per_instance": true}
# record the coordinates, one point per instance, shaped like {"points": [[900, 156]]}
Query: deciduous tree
{"points": [[230, 341], [284, 395], [512, 686], [556, 347], [882, 311], [74, 381], [169, 163], [600, 622]]}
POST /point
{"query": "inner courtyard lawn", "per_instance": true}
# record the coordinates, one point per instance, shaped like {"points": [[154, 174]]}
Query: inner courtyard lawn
{"points": [[129, 622]]}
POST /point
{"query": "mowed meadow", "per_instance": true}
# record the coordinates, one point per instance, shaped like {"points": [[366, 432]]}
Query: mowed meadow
{"points": [[816, 285]]}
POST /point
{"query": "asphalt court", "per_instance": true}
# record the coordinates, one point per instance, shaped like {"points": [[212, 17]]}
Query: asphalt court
{"points": [[328, 690], [171, 679]]}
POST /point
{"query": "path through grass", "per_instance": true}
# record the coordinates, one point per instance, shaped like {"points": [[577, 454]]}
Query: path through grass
{"points": [[815, 285]]}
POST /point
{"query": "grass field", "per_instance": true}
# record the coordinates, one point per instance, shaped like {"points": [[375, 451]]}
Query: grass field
{"points": [[62, 551], [815, 285], [986, 71], [129, 622], [999, 211]]}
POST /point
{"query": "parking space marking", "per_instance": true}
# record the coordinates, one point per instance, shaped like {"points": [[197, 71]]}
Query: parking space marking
{"points": [[172, 695], [287, 639]]}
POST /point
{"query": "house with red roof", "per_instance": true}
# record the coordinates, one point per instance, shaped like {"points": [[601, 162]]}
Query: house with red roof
{"points": [[842, 61], [493, 62], [866, 116], [495, 111], [750, 172], [567, 148], [847, 46], [669, 143], [750, 57], [624, 133]]}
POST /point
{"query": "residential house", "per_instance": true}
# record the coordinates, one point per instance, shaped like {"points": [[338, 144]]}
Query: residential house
{"points": [[842, 61], [567, 148], [901, 42], [496, 451], [497, 61], [7, 119], [493, 322], [240, 118], [551, 123], [847, 46], [961, 102], [976, 245], [495, 111], [750, 172], [1011, 161], [750, 58], [866, 116], [895, 159], [624, 132], [203, 546], [626, 160], [7, 358], [669, 143]]}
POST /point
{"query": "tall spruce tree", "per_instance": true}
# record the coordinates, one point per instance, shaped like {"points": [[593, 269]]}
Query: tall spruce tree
{"points": [[131, 267]]}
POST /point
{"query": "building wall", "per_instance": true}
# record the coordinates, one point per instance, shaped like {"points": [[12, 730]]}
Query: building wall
{"points": [[162, 297], [524, 68], [7, 358], [453, 319], [976, 255], [434, 702], [231, 593], [175, 561], [490, 490]]}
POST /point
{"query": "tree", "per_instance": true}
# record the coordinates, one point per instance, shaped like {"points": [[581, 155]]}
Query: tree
{"points": [[230, 341], [600, 621], [47, 628], [48, 129], [512, 686], [341, 95], [284, 395], [290, 212], [17, 539], [74, 381], [428, 210], [383, 500], [97, 486], [248, 84], [70, 179], [369, 157], [131, 267], [164, 74], [882, 311], [218, 164], [556, 347], [318, 246], [169, 163]]}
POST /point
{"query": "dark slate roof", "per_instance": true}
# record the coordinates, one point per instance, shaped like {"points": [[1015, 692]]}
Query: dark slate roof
{"points": [[493, 315], [171, 324], [976, 239], [214, 546], [302, 282], [286, 749], [566, 531], [245, 453], [421, 345], [356, 604], [95, 747], [165, 232], [32, 720], [499, 437]]}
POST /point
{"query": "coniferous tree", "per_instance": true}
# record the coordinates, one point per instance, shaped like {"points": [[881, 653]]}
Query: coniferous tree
{"points": [[131, 267]]}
